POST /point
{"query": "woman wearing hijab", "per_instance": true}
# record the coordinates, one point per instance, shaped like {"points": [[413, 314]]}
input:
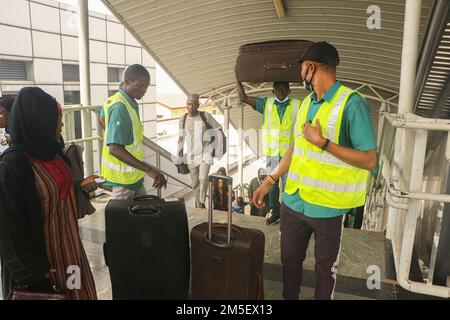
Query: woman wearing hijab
{"points": [[220, 192], [39, 240]]}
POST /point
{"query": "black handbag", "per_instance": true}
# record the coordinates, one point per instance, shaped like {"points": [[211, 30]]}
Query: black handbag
{"points": [[183, 168]]}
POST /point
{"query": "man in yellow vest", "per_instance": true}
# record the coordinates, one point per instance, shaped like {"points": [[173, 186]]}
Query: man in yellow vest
{"points": [[123, 163], [330, 156], [278, 113]]}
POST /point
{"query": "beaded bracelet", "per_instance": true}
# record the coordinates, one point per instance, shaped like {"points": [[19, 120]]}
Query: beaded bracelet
{"points": [[271, 179]]}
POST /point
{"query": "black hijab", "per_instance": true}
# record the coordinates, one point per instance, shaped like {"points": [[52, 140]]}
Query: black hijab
{"points": [[33, 122]]}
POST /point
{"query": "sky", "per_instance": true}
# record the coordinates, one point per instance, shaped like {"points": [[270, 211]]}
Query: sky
{"points": [[164, 84]]}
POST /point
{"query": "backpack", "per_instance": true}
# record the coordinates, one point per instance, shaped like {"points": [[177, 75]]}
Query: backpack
{"points": [[223, 141]]}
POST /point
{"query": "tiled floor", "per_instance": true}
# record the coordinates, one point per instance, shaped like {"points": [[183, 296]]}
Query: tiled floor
{"points": [[359, 250]]}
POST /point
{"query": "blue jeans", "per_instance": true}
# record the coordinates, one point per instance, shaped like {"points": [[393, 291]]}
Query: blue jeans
{"points": [[274, 193]]}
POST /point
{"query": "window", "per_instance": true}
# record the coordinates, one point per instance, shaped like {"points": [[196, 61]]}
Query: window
{"points": [[114, 74], [111, 92], [73, 97], [71, 72], [13, 70]]}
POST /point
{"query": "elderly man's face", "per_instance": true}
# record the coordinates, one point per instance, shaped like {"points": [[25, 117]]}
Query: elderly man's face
{"points": [[3, 117], [192, 105]]}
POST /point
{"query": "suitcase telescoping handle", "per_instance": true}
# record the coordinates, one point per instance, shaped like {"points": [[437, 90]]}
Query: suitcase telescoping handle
{"points": [[210, 209]]}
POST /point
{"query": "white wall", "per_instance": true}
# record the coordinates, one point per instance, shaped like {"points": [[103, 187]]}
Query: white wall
{"points": [[48, 39], [20, 16]]}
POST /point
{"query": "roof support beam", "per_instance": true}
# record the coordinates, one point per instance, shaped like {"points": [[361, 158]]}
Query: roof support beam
{"points": [[430, 45], [279, 6]]}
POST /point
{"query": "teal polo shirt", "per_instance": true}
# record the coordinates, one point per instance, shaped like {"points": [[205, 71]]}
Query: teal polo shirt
{"points": [[356, 132], [260, 106], [120, 131]]}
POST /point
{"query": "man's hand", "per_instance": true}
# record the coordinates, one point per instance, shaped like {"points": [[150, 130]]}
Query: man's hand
{"points": [[313, 134], [159, 179], [88, 184], [259, 194]]}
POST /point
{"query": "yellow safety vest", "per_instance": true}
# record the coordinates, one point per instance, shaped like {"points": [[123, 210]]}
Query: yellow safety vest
{"points": [[276, 133], [319, 177], [113, 169]]}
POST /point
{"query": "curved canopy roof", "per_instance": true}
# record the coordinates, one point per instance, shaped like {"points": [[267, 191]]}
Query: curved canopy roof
{"points": [[197, 41]]}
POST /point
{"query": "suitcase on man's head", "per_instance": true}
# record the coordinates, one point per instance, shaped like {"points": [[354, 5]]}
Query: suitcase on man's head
{"points": [[270, 61], [227, 260], [147, 248]]}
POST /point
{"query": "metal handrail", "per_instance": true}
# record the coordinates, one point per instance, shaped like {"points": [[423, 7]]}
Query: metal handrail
{"points": [[402, 242]]}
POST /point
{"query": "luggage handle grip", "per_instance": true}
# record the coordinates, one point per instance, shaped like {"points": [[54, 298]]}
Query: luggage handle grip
{"points": [[210, 206], [147, 197], [141, 209], [269, 66], [215, 243], [222, 226], [216, 226]]}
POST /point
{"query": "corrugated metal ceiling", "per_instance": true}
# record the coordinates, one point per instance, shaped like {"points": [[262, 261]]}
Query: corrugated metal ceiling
{"points": [[197, 41], [435, 101]]}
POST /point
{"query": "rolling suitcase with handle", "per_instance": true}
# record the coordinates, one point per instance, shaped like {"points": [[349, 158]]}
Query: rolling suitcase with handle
{"points": [[147, 248], [227, 260], [270, 61]]}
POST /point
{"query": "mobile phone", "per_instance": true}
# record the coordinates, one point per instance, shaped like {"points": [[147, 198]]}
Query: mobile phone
{"points": [[100, 180]]}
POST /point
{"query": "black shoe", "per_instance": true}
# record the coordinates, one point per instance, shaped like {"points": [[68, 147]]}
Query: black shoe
{"points": [[273, 219]]}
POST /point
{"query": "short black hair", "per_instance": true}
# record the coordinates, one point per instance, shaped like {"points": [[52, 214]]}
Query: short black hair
{"points": [[136, 71], [284, 84], [6, 103]]}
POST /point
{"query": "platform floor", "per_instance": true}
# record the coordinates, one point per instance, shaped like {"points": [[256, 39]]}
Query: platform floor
{"points": [[360, 249]]}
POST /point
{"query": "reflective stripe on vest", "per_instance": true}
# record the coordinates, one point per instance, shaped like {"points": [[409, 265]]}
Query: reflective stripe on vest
{"points": [[112, 169], [318, 176], [276, 133]]}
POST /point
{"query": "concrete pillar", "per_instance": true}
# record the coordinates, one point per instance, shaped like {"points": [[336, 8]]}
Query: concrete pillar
{"points": [[401, 168], [85, 83]]}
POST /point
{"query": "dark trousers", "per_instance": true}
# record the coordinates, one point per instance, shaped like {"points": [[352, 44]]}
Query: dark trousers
{"points": [[296, 230], [357, 215], [274, 192]]}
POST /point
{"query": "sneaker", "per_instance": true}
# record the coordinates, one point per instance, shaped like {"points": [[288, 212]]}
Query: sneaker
{"points": [[273, 219]]}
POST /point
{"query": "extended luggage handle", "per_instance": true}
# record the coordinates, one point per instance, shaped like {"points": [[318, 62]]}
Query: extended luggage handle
{"points": [[209, 234]]}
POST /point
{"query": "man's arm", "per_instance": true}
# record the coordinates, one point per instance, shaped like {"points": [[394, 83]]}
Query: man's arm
{"points": [[181, 135], [123, 155], [281, 169], [243, 97], [360, 159]]}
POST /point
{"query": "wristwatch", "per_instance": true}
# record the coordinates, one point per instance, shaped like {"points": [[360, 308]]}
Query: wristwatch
{"points": [[325, 145]]}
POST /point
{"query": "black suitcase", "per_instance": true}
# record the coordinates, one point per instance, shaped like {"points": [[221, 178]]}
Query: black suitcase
{"points": [[227, 260], [147, 248], [270, 61]]}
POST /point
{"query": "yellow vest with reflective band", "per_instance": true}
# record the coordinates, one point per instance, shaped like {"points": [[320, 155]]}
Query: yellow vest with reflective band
{"points": [[113, 169], [318, 176], [276, 133]]}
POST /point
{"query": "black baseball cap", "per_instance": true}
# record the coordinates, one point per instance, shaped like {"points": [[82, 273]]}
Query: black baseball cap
{"points": [[322, 52]]}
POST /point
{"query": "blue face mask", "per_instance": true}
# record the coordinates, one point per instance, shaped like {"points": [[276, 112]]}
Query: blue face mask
{"points": [[285, 99], [308, 84]]}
